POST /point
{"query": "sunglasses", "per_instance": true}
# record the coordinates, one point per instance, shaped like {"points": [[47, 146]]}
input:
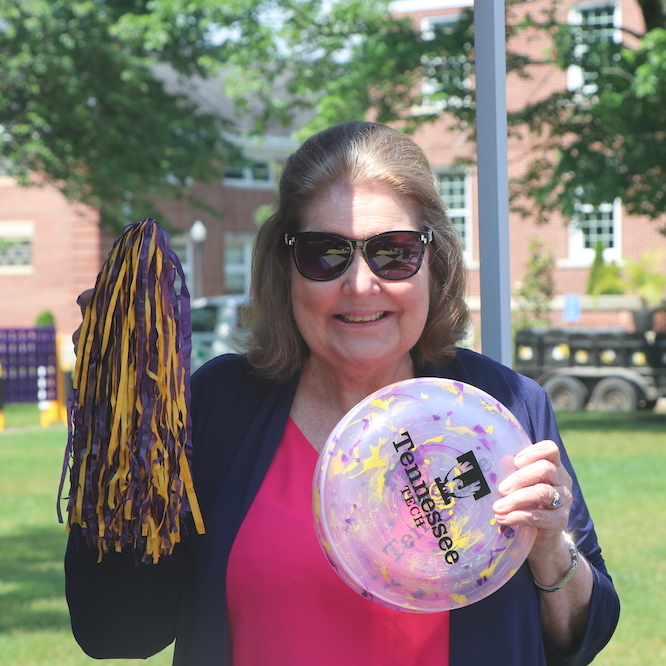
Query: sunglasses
{"points": [[392, 255]]}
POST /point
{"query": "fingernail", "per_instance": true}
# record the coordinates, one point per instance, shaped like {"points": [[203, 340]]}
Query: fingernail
{"points": [[504, 487]]}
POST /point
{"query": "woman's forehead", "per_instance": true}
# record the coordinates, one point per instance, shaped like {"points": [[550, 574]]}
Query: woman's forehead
{"points": [[361, 209]]}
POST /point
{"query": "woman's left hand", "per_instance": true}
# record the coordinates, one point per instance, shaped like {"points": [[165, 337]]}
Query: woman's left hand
{"points": [[538, 493]]}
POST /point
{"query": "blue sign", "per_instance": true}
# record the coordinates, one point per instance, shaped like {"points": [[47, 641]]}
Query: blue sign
{"points": [[572, 308]]}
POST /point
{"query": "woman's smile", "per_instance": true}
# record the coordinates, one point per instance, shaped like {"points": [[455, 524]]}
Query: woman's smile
{"points": [[361, 319]]}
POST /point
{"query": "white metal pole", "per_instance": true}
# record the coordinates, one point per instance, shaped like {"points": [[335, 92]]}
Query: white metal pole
{"points": [[493, 181]]}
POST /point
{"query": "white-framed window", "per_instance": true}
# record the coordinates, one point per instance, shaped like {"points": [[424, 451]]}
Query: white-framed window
{"points": [[237, 262], [182, 246], [591, 23], [454, 186], [257, 175], [16, 247], [456, 67], [593, 225]]}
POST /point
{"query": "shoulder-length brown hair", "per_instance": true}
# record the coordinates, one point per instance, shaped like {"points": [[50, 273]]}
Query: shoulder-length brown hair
{"points": [[356, 153]]}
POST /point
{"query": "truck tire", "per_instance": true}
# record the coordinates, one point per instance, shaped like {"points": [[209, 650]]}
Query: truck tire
{"points": [[615, 394], [567, 394]]}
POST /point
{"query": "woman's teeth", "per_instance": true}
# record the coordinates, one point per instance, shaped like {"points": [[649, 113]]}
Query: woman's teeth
{"points": [[361, 319]]}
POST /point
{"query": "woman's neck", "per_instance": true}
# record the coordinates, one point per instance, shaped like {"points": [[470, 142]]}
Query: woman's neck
{"points": [[326, 394]]}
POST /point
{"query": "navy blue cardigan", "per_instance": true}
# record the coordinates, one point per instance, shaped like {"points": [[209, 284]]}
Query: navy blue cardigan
{"points": [[120, 610]]}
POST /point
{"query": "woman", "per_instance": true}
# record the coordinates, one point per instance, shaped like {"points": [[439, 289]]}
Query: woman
{"points": [[331, 325]]}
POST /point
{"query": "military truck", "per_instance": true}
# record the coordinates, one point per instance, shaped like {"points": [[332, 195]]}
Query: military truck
{"points": [[604, 369]]}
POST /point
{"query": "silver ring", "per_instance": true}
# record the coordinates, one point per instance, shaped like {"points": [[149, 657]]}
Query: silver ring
{"points": [[557, 500]]}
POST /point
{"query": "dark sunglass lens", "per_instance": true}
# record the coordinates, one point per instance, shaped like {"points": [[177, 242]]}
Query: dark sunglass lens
{"points": [[321, 256], [395, 256]]}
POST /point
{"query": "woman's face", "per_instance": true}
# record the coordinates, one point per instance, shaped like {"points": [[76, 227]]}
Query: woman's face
{"points": [[360, 320]]}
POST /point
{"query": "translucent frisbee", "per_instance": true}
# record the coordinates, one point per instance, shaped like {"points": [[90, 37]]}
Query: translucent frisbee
{"points": [[403, 495]]}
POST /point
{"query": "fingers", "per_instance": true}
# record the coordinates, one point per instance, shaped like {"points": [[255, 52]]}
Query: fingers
{"points": [[538, 493], [75, 339], [539, 463], [82, 301]]}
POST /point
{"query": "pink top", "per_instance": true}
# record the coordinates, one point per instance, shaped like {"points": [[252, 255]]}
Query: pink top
{"points": [[287, 605]]}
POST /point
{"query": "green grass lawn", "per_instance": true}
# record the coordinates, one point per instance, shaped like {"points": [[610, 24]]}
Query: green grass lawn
{"points": [[620, 460], [34, 622], [621, 463]]}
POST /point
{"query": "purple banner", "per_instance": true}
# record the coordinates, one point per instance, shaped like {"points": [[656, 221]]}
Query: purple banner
{"points": [[28, 360]]}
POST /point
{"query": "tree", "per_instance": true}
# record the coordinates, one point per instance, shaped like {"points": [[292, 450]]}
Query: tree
{"points": [[590, 145], [81, 101], [82, 106], [644, 278], [607, 140], [535, 294], [604, 278]]}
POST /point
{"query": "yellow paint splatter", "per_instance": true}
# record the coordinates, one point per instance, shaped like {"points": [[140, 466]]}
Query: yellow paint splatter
{"points": [[452, 388], [383, 403], [384, 571], [462, 430], [489, 407], [459, 598], [490, 570], [374, 460], [461, 539]]}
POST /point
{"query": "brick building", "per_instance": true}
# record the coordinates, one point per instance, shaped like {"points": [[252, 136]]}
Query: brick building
{"points": [[572, 244], [50, 249]]}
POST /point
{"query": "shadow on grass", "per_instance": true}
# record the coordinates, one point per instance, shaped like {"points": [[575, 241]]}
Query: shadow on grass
{"points": [[643, 421], [32, 581]]}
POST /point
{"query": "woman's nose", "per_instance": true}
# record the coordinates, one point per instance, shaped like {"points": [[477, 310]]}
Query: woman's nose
{"points": [[359, 279]]}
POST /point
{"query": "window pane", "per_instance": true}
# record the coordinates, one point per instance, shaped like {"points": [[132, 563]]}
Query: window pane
{"points": [[459, 223], [204, 319], [15, 252], [598, 227], [233, 254], [234, 283], [452, 188], [598, 23], [235, 172], [261, 171], [237, 259]]}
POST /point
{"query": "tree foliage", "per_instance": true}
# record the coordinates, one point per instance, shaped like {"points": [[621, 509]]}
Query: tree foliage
{"points": [[535, 293], [591, 145], [606, 140], [605, 278], [644, 277], [81, 103]]}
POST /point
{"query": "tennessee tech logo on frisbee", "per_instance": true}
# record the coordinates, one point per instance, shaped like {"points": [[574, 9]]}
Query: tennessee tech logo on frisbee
{"points": [[463, 480]]}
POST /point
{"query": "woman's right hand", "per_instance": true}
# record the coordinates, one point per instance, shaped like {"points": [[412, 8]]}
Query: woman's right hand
{"points": [[83, 301]]}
